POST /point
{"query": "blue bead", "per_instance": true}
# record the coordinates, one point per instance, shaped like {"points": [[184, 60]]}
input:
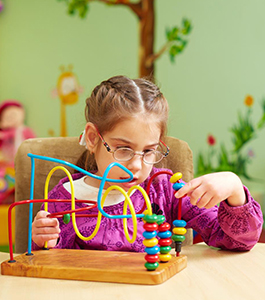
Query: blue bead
{"points": [[149, 234], [179, 223], [164, 234], [152, 250], [178, 185]]}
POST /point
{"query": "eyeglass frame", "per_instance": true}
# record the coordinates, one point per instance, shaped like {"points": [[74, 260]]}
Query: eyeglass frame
{"points": [[165, 154]]}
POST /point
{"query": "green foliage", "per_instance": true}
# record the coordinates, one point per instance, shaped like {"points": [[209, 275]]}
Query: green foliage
{"points": [[79, 6], [176, 40], [235, 160]]}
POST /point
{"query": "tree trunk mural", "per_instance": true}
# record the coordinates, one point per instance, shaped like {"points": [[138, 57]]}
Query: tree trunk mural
{"points": [[145, 12]]}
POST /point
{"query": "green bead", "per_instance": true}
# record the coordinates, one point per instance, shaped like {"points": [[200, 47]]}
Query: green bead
{"points": [[151, 266], [165, 249], [178, 238], [66, 218], [160, 219], [150, 218]]}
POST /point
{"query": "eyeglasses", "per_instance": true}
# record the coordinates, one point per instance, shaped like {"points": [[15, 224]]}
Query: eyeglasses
{"points": [[125, 154]]}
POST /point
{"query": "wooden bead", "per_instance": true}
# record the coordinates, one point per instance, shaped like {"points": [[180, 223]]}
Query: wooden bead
{"points": [[149, 234], [174, 178], [164, 234], [152, 250], [150, 218], [151, 242], [179, 223], [178, 185], [150, 226], [163, 227], [151, 266], [160, 219], [151, 258], [165, 242], [165, 249], [165, 257], [66, 218], [178, 238], [179, 230]]}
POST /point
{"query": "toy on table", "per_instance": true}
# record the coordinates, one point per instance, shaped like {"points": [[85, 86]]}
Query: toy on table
{"points": [[179, 231], [12, 133], [152, 221]]}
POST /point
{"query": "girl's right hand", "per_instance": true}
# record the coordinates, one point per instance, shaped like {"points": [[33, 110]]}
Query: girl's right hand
{"points": [[45, 229]]}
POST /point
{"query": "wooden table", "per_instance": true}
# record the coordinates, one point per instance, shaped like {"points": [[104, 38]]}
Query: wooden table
{"points": [[211, 274]]}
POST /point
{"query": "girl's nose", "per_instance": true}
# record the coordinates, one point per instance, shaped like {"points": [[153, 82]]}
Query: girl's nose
{"points": [[135, 164]]}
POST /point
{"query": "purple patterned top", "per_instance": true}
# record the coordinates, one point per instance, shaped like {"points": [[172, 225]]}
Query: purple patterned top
{"points": [[226, 227]]}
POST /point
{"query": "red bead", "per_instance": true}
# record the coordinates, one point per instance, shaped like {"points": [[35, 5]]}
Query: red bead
{"points": [[151, 258], [164, 227], [165, 242], [150, 226]]}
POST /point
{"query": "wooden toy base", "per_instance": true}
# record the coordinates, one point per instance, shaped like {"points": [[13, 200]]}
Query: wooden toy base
{"points": [[92, 265]]}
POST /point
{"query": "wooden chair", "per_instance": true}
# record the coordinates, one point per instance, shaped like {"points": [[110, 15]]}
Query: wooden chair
{"points": [[68, 149]]}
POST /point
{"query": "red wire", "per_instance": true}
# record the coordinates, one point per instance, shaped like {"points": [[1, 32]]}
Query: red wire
{"points": [[28, 202], [149, 185]]}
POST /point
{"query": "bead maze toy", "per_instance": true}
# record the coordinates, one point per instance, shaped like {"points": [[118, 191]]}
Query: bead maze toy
{"points": [[106, 266]]}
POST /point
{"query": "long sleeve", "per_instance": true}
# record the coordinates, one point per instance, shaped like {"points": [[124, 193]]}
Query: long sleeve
{"points": [[226, 227]]}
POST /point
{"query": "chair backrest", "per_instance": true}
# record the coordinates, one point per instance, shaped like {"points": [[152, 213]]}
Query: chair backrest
{"points": [[68, 149]]}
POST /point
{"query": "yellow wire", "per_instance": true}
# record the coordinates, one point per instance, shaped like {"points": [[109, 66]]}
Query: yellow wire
{"points": [[126, 203], [148, 211], [127, 200], [72, 204]]}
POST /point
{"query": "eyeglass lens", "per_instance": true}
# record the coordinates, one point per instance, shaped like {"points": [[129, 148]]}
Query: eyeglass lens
{"points": [[125, 154]]}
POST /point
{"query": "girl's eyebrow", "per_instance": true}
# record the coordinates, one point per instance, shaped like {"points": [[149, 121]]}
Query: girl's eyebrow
{"points": [[130, 143]]}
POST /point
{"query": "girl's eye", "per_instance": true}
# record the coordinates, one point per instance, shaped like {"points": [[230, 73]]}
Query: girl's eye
{"points": [[149, 150]]}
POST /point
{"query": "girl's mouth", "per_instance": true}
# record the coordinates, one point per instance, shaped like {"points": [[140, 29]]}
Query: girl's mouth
{"points": [[129, 184]]}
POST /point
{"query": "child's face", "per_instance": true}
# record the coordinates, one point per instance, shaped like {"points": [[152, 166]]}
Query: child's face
{"points": [[138, 134], [12, 117]]}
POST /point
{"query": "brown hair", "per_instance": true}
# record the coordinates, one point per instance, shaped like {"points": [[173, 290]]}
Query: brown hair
{"points": [[118, 98]]}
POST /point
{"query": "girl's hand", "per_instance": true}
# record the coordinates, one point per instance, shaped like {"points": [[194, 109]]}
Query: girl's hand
{"points": [[45, 229], [209, 190]]}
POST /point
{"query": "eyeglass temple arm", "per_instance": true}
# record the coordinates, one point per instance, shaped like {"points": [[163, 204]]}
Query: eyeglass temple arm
{"points": [[103, 141], [167, 152]]}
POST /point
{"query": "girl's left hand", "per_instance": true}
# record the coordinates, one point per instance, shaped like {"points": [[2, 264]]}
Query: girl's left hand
{"points": [[209, 190]]}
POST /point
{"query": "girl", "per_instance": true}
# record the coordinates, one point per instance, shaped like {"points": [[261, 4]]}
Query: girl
{"points": [[126, 122]]}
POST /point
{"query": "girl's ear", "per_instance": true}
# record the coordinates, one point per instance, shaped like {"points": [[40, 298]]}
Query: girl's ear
{"points": [[91, 137]]}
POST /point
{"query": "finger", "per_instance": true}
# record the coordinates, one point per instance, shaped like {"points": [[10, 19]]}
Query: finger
{"points": [[204, 200], [196, 194], [46, 222], [214, 201], [46, 230], [188, 187], [42, 214], [41, 239]]}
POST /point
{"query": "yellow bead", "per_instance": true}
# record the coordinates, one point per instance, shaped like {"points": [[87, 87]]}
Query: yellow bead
{"points": [[174, 178], [150, 243], [179, 230], [165, 257]]}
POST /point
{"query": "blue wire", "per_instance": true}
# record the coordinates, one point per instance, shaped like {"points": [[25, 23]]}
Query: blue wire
{"points": [[102, 184], [31, 204], [84, 171]]}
